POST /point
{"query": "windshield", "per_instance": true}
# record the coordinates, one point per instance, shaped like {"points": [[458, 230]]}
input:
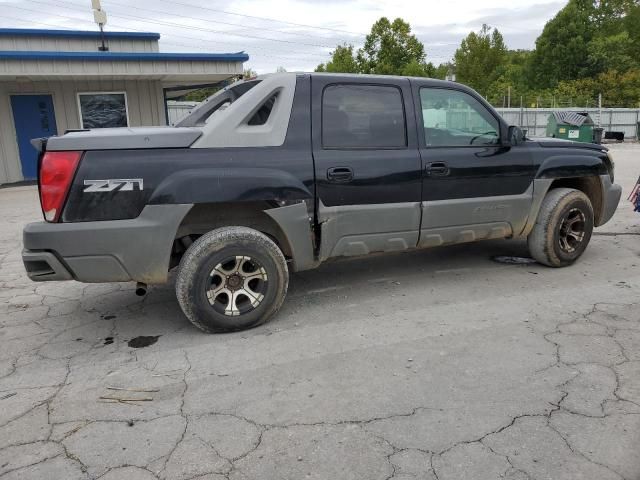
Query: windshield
{"points": [[216, 103]]}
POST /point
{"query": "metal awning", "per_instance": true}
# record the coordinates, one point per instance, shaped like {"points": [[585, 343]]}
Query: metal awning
{"points": [[171, 68]]}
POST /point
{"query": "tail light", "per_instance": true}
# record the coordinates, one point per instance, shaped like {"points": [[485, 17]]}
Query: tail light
{"points": [[56, 173]]}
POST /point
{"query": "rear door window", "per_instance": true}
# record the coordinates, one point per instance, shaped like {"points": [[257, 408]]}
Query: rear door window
{"points": [[363, 116]]}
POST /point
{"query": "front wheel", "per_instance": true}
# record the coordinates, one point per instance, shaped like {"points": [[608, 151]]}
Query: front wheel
{"points": [[563, 228], [230, 279]]}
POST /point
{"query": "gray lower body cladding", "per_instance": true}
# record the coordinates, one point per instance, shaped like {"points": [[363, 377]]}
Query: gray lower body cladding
{"points": [[140, 249], [353, 230], [296, 225], [611, 194], [110, 251]]}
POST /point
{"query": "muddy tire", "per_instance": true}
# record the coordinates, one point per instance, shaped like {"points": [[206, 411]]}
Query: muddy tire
{"points": [[563, 228], [231, 279]]}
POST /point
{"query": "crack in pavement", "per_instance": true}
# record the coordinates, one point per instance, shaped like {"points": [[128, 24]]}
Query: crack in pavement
{"points": [[33, 331]]}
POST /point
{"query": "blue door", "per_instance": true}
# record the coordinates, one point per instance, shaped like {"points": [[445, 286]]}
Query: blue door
{"points": [[33, 117]]}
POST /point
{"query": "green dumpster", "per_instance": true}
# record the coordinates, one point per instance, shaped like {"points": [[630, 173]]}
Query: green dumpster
{"points": [[577, 126]]}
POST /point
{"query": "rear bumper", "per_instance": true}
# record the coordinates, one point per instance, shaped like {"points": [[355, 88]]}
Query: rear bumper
{"points": [[109, 251], [611, 194], [42, 266]]}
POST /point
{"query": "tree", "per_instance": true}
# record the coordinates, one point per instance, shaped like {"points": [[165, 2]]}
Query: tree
{"points": [[479, 57], [391, 49], [249, 73], [511, 74], [586, 38], [342, 61], [613, 52], [584, 91], [443, 70], [632, 27], [561, 50]]}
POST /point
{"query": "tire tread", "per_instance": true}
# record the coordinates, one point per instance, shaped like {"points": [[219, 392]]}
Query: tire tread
{"points": [[215, 241], [540, 241]]}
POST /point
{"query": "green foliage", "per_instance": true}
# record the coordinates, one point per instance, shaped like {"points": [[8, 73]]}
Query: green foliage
{"points": [[249, 73], [390, 49], [444, 69], [612, 52], [560, 52], [586, 38], [631, 24], [589, 47], [199, 95], [620, 89], [479, 58], [342, 61]]}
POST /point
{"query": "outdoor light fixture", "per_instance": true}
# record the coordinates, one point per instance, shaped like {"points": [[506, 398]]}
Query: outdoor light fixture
{"points": [[100, 17]]}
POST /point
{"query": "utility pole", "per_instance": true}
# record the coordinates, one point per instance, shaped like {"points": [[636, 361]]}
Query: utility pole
{"points": [[521, 111], [599, 110], [100, 17], [509, 96]]}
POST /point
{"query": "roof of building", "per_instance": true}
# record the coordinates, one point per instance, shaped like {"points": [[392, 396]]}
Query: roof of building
{"points": [[124, 56], [37, 32]]}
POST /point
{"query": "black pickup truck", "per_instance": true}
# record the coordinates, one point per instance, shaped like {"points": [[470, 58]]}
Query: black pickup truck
{"points": [[283, 172]]}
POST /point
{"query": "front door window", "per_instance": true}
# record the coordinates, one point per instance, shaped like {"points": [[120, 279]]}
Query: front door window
{"points": [[453, 118]]}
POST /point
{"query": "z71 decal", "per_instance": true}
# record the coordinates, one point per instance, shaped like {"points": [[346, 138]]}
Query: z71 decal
{"points": [[121, 185]]}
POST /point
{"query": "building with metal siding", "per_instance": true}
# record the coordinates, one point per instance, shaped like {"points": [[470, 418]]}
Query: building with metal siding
{"points": [[57, 80]]}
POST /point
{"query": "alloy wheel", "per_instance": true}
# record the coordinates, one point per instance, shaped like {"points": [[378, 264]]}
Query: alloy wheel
{"points": [[572, 230], [237, 285]]}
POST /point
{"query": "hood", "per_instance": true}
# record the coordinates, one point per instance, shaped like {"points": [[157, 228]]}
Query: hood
{"points": [[125, 138], [551, 142]]}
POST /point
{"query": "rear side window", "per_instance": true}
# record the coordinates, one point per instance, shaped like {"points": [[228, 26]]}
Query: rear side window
{"points": [[263, 113], [363, 116], [216, 104]]}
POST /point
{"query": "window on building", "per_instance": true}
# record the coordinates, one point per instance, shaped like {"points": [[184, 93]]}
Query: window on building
{"points": [[363, 116], [103, 110], [455, 119]]}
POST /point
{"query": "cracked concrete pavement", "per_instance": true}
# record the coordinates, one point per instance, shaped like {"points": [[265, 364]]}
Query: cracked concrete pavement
{"points": [[437, 364]]}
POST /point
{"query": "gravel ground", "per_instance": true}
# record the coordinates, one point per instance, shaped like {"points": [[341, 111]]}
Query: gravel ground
{"points": [[438, 364]]}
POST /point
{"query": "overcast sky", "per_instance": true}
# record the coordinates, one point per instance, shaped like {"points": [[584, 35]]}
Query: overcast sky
{"points": [[296, 35]]}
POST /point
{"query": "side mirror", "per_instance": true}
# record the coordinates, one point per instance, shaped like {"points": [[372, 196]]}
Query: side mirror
{"points": [[515, 135]]}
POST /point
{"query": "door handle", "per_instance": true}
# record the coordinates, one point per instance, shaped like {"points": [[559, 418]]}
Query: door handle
{"points": [[340, 174], [436, 169]]}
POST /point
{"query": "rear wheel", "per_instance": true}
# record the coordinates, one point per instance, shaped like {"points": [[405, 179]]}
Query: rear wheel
{"points": [[230, 279], [563, 228]]}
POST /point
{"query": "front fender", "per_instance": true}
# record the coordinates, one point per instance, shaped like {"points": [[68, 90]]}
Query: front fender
{"points": [[566, 166], [207, 185]]}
